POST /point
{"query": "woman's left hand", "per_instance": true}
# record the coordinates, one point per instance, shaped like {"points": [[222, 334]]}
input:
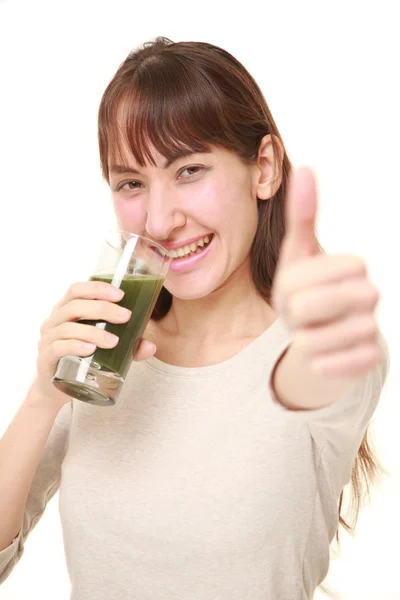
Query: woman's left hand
{"points": [[327, 302]]}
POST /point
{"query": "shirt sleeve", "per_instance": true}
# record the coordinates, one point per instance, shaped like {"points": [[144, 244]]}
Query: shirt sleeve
{"points": [[45, 484], [337, 430]]}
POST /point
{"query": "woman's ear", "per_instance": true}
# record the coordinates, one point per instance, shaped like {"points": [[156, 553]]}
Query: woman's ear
{"points": [[267, 171]]}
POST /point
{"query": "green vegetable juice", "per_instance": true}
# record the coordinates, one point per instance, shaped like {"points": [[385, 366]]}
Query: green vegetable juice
{"points": [[141, 293]]}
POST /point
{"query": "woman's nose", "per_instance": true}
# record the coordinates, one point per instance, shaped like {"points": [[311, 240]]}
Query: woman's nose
{"points": [[163, 216]]}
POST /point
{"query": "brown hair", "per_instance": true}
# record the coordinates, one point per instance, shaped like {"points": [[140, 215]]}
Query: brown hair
{"points": [[191, 96]]}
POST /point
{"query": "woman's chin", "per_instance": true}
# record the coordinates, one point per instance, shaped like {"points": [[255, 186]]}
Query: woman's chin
{"points": [[195, 291]]}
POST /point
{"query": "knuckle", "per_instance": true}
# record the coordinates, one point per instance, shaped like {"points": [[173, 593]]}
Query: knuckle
{"points": [[74, 290], [318, 365], [73, 306], [43, 327], [295, 308], [100, 287], [60, 348], [103, 308], [65, 330], [79, 309], [358, 264], [93, 335], [55, 349], [303, 341]]}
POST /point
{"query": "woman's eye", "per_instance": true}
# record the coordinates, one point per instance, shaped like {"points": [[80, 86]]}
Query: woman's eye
{"points": [[135, 185], [192, 171], [131, 185]]}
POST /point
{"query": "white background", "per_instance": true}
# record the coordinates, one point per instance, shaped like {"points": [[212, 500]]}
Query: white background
{"points": [[329, 72]]}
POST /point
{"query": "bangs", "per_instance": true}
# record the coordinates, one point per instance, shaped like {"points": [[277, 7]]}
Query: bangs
{"points": [[169, 108]]}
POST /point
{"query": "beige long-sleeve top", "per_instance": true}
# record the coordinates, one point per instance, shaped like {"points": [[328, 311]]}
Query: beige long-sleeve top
{"points": [[198, 484]]}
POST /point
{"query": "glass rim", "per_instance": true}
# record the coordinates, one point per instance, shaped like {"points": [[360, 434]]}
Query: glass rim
{"points": [[161, 248]]}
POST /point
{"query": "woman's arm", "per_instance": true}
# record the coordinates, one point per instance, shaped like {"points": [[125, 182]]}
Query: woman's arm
{"points": [[298, 387], [20, 450]]}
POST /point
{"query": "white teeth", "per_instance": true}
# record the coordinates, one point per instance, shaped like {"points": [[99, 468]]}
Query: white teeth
{"points": [[190, 248]]}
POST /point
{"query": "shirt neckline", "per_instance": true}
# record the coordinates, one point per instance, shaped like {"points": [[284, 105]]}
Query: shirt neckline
{"points": [[276, 333]]}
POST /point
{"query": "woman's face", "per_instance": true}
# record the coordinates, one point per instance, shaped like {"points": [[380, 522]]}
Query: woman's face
{"points": [[200, 197]]}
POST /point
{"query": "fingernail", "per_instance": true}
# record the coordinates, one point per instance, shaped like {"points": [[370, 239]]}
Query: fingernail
{"points": [[117, 293], [111, 338]]}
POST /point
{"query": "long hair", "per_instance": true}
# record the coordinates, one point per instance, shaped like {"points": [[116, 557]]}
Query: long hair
{"points": [[191, 96]]}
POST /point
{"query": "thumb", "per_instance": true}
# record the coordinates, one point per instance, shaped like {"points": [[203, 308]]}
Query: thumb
{"points": [[145, 350], [300, 240]]}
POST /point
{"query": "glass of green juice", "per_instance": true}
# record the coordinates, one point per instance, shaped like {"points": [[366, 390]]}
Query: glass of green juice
{"points": [[138, 266]]}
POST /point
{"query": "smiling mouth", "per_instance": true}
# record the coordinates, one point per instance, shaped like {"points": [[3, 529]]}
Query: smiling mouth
{"points": [[186, 251], [191, 249]]}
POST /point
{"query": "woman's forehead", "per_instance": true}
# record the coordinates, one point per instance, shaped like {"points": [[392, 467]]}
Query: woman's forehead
{"points": [[137, 131]]}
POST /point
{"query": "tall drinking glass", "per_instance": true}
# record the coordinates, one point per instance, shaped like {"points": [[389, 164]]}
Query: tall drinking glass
{"points": [[138, 266]]}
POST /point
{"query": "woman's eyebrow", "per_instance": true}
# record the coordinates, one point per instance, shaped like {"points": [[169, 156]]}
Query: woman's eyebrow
{"points": [[120, 169]]}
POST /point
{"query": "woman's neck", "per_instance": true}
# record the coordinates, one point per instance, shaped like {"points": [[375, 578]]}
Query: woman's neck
{"points": [[235, 310]]}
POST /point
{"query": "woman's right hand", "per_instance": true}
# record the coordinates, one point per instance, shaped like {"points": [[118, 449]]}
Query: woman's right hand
{"points": [[62, 335]]}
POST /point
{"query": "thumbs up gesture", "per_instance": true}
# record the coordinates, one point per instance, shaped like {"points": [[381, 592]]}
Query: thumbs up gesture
{"points": [[327, 302]]}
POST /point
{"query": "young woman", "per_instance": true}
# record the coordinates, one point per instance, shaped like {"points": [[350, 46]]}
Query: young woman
{"points": [[219, 472]]}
